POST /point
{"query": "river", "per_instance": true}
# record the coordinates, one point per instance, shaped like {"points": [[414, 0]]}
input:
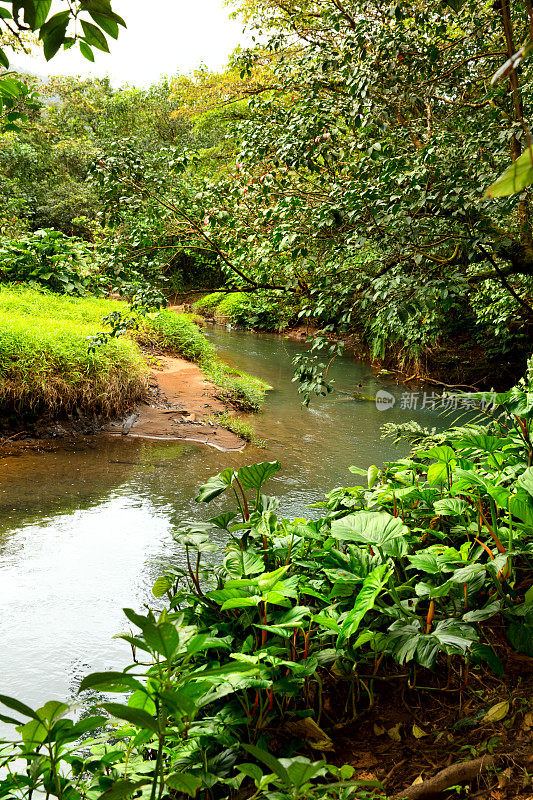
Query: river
{"points": [[86, 528]]}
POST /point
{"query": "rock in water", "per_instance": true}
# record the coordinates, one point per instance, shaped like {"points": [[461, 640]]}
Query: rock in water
{"points": [[128, 423]]}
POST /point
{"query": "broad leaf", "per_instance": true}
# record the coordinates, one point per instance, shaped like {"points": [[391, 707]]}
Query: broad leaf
{"points": [[215, 486], [255, 475], [135, 716], [365, 600], [374, 528], [515, 178], [184, 782], [122, 789]]}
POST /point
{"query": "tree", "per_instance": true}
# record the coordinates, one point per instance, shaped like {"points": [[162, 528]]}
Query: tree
{"points": [[362, 165]]}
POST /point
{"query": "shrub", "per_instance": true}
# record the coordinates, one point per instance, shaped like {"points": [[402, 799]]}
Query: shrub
{"points": [[47, 259], [257, 312], [175, 333], [207, 303]]}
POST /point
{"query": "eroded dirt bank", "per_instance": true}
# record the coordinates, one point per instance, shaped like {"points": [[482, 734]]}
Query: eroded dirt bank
{"points": [[178, 404], [179, 401]]}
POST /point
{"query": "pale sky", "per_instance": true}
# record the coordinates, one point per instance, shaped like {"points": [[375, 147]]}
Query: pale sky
{"points": [[162, 38]]}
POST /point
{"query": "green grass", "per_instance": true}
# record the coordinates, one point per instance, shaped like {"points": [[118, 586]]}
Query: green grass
{"points": [[175, 333], [44, 361], [226, 304], [236, 387], [207, 304], [237, 425]]}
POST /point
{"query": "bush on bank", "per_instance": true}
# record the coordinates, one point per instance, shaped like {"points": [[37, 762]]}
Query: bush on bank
{"points": [[261, 311], [405, 573]]}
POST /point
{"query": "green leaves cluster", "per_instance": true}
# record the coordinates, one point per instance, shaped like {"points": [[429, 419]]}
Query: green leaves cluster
{"points": [[404, 568]]}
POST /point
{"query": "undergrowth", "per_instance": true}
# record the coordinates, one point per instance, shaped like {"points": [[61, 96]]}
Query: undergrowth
{"points": [[262, 312]]}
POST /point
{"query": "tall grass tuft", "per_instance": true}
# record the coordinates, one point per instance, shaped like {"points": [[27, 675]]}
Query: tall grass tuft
{"points": [[44, 361]]}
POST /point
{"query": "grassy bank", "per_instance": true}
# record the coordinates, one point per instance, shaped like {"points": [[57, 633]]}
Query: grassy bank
{"points": [[177, 333], [45, 364], [261, 312], [44, 361]]}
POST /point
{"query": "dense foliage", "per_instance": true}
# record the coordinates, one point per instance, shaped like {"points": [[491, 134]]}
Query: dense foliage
{"points": [[334, 174], [296, 621]]}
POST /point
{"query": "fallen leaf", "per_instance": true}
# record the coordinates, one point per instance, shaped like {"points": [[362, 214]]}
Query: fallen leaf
{"points": [[394, 733], [378, 730], [527, 724], [308, 729], [418, 733], [504, 778], [497, 712]]}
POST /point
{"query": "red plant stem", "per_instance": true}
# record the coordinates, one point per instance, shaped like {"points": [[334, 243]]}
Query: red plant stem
{"points": [[244, 500], [264, 633], [430, 616], [484, 546], [254, 709]]}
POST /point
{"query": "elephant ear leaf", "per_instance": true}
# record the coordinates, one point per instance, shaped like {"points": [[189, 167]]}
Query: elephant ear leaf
{"points": [[365, 600], [374, 528], [255, 475], [215, 486]]}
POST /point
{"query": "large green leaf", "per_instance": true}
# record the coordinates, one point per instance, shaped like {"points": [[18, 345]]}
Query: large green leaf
{"points": [[240, 563], [215, 486], [515, 178], [365, 601], [105, 681], [94, 36], [122, 789], [451, 506], [17, 705], [521, 506], [135, 716], [526, 480], [443, 453], [184, 782], [437, 473], [162, 585], [271, 762], [520, 635], [375, 528], [255, 475], [163, 637], [53, 33]]}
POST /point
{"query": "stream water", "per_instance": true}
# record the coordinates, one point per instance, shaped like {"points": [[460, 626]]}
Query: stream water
{"points": [[86, 528]]}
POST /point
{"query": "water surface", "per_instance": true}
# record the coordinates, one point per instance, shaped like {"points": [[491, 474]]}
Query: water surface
{"points": [[87, 528]]}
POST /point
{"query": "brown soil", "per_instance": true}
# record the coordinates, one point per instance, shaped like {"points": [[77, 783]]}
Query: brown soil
{"points": [[402, 734], [180, 399]]}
